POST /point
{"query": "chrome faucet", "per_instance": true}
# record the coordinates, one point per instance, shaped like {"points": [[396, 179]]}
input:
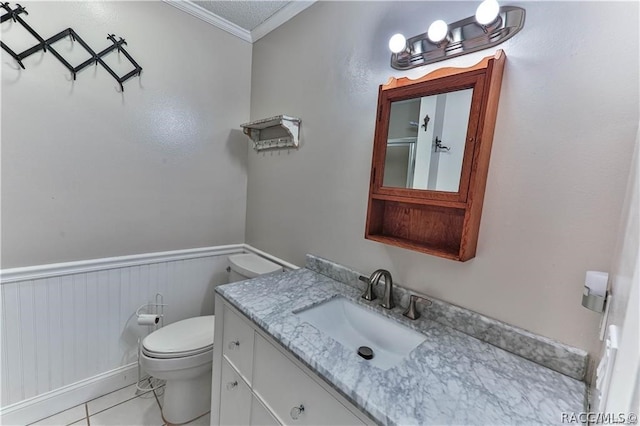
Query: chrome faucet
{"points": [[387, 300]]}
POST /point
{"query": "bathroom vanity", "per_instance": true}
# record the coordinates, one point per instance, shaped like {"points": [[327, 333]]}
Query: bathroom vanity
{"points": [[271, 366]]}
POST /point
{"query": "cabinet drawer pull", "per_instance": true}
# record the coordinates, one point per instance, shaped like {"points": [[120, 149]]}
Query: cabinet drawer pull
{"points": [[233, 345], [296, 411], [232, 385]]}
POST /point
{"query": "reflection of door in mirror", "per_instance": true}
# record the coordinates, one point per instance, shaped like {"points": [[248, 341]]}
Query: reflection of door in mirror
{"points": [[426, 141], [399, 163]]}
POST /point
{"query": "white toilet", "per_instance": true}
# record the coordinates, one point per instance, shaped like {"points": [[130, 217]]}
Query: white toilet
{"points": [[181, 353]]}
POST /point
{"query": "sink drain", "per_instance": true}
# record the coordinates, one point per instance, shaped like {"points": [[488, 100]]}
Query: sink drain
{"points": [[365, 352]]}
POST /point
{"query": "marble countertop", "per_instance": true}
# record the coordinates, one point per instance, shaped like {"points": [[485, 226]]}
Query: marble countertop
{"points": [[451, 378]]}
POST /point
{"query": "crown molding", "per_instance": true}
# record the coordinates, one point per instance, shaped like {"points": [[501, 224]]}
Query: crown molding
{"points": [[279, 18], [273, 22], [210, 18]]}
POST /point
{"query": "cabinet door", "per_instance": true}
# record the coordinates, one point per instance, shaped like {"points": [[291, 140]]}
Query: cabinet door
{"points": [[238, 343], [260, 416], [293, 396], [235, 398]]}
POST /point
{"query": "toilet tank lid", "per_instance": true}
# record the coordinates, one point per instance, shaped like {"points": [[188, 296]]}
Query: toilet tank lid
{"points": [[182, 336], [251, 265]]}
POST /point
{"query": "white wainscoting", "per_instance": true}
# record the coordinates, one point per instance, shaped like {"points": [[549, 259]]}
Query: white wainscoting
{"points": [[69, 326]]}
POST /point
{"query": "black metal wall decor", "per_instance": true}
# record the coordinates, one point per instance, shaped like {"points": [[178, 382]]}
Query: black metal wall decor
{"points": [[44, 45]]}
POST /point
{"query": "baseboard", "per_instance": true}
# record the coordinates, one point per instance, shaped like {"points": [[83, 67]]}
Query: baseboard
{"points": [[61, 399]]}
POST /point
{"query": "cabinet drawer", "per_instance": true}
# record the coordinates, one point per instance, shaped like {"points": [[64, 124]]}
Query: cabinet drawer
{"points": [[235, 398], [284, 387], [237, 346], [260, 416]]}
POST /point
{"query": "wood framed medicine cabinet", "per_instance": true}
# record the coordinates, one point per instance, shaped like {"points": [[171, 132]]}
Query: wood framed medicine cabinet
{"points": [[431, 154]]}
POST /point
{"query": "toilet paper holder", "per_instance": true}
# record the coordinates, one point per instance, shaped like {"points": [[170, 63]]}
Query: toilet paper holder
{"points": [[153, 316], [593, 301], [154, 312]]}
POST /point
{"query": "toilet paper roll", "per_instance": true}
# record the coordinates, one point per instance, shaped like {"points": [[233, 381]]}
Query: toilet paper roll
{"points": [[148, 319]]}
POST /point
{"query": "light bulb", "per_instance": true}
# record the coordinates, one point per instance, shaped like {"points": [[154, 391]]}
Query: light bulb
{"points": [[487, 12], [438, 31], [397, 43]]}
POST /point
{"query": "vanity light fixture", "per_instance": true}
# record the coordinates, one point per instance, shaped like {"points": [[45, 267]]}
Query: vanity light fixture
{"points": [[491, 25]]}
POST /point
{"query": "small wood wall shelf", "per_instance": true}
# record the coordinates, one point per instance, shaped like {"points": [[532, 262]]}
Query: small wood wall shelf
{"points": [[435, 222]]}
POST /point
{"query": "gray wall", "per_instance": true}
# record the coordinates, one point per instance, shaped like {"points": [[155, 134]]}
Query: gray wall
{"points": [[88, 172], [564, 137]]}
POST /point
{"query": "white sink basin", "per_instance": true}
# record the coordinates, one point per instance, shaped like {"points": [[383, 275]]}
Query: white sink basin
{"points": [[353, 326]]}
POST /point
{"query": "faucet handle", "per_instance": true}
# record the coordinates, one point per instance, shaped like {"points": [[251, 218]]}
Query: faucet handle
{"points": [[368, 293], [411, 311]]}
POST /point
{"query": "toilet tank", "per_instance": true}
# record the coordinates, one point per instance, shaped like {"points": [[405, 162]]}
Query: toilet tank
{"points": [[248, 265]]}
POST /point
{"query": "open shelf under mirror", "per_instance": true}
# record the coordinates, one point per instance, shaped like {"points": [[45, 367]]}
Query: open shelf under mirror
{"points": [[427, 228], [431, 158]]}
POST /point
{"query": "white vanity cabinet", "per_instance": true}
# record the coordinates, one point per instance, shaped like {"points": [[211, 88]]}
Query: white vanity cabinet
{"points": [[256, 382]]}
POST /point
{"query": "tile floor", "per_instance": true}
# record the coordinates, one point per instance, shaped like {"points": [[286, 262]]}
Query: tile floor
{"points": [[122, 408]]}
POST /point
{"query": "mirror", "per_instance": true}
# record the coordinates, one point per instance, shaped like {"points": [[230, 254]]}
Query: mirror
{"points": [[426, 141], [426, 134]]}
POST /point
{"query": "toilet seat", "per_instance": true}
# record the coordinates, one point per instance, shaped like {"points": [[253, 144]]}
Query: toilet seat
{"points": [[189, 337], [161, 367], [162, 355]]}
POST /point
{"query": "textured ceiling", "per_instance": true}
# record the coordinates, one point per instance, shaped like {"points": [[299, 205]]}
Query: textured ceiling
{"points": [[245, 14]]}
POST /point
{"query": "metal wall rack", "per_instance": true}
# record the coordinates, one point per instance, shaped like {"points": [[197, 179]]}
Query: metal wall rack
{"points": [[44, 45]]}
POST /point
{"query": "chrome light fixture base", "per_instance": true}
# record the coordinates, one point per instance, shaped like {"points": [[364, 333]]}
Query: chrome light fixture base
{"points": [[465, 36]]}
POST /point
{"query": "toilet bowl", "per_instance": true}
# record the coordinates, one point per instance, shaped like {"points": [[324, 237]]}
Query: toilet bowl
{"points": [[181, 353]]}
